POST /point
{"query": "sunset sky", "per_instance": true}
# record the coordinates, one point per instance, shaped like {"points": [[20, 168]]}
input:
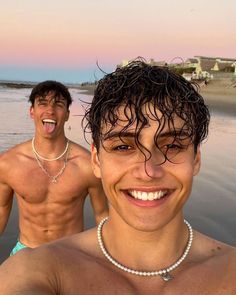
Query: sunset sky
{"points": [[62, 40]]}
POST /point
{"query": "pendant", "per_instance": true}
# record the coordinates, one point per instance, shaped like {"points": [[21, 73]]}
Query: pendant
{"points": [[54, 180], [166, 276]]}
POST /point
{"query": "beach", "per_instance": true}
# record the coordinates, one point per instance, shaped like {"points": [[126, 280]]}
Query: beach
{"points": [[211, 208], [219, 95]]}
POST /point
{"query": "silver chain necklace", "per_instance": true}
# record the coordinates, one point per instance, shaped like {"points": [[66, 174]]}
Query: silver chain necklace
{"points": [[163, 273], [52, 177], [49, 159]]}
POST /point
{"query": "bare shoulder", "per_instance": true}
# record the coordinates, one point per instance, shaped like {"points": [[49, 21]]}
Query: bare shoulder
{"points": [[77, 149], [33, 270], [81, 157], [52, 257], [48, 267], [17, 153], [214, 246], [215, 254]]}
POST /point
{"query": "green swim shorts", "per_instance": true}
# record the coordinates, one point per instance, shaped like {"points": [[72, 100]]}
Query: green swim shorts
{"points": [[17, 247]]}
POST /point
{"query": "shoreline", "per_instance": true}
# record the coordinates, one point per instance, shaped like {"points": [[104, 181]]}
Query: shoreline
{"points": [[17, 85], [219, 95], [218, 98]]}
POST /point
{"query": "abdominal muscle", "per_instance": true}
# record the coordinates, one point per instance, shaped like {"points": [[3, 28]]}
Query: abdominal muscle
{"points": [[50, 219]]}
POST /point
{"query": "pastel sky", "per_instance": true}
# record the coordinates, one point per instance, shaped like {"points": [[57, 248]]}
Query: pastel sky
{"points": [[63, 39]]}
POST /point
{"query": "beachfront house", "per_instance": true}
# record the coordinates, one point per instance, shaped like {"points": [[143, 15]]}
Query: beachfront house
{"points": [[207, 67], [152, 62], [222, 66], [199, 67]]}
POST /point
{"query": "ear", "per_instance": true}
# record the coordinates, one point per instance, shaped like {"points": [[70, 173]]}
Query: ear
{"points": [[95, 161], [31, 111], [67, 115], [197, 162]]}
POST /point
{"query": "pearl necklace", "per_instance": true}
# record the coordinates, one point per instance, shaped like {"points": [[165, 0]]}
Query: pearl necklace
{"points": [[164, 273], [47, 159]]}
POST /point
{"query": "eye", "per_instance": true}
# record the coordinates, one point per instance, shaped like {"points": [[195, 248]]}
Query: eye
{"points": [[42, 102], [60, 104], [122, 147], [173, 146], [170, 150]]}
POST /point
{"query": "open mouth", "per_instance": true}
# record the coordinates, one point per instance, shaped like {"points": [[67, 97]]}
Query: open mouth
{"points": [[148, 196], [49, 125]]}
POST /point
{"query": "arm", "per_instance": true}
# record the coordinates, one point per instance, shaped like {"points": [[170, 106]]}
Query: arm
{"points": [[98, 199], [32, 273], [94, 187], [6, 198]]}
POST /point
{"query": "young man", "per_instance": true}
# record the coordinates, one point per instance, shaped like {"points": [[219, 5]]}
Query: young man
{"points": [[50, 175], [147, 125]]}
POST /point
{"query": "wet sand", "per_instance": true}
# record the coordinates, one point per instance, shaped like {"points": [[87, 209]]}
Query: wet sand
{"points": [[220, 97]]}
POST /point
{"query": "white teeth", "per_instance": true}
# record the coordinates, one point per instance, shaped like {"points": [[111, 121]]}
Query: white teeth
{"points": [[49, 121], [150, 196], [147, 195]]}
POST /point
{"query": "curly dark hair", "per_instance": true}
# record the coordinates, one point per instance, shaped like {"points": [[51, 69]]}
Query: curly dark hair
{"points": [[43, 88], [158, 88]]}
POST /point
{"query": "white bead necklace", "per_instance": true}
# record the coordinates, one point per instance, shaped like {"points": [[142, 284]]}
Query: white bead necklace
{"points": [[49, 159], [164, 273]]}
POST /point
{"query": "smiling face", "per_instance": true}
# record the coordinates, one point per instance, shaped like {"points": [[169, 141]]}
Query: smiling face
{"points": [[148, 178], [49, 114]]}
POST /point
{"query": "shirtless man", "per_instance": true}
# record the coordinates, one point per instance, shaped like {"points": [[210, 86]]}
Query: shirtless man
{"points": [[50, 175], [147, 126]]}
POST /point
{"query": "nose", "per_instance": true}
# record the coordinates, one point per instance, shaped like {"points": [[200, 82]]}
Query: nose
{"points": [[50, 108], [148, 168]]}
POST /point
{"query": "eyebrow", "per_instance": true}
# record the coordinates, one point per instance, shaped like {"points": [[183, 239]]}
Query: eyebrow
{"points": [[174, 133], [40, 98], [130, 134], [56, 99], [116, 134]]}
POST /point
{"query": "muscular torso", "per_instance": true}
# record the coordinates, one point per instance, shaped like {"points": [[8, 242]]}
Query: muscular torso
{"points": [[207, 270], [47, 210], [76, 265]]}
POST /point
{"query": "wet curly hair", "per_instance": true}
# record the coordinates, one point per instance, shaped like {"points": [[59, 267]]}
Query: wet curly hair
{"points": [[43, 88], [139, 84]]}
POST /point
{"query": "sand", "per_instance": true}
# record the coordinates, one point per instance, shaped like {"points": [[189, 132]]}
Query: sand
{"points": [[220, 97]]}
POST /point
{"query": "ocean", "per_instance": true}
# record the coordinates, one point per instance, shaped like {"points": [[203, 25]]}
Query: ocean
{"points": [[212, 205]]}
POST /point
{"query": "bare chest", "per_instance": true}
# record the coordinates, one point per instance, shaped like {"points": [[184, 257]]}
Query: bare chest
{"points": [[106, 285], [113, 281], [36, 184]]}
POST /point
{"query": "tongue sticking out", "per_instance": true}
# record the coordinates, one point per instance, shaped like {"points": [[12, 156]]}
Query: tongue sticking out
{"points": [[49, 127]]}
